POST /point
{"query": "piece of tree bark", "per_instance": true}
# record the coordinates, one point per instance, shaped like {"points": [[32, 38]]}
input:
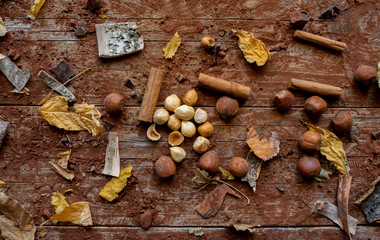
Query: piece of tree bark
{"points": [[17, 77], [112, 160], [57, 86], [370, 202], [342, 199]]}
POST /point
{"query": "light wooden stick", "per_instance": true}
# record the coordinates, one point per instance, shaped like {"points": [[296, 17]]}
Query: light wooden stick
{"points": [[152, 91], [326, 42], [314, 87], [219, 85]]}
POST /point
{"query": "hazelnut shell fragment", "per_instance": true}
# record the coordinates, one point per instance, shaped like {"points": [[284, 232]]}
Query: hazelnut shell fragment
{"points": [[165, 167], [114, 103], [152, 133], [175, 138]]}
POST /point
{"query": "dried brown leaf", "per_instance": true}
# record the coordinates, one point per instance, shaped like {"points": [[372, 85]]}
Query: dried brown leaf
{"points": [[84, 117], [3, 29], [14, 215], [264, 149], [3, 186], [253, 174]]}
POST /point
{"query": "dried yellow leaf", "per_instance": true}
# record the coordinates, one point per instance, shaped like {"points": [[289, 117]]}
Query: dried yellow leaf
{"points": [[3, 186], [112, 188], [331, 148], [102, 15], [253, 49], [77, 213], [263, 149], [172, 46], [84, 117], [61, 166], [43, 234], [3, 29], [227, 173], [35, 9], [15, 222], [58, 201]]}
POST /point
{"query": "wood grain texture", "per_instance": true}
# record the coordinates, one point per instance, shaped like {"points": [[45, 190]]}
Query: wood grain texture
{"points": [[31, 143]]}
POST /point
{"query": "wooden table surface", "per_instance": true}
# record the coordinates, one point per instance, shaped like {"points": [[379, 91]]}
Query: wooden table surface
{"points": [[31, 142]]}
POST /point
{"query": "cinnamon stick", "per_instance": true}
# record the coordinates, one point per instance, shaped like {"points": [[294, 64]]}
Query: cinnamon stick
{"points": [[152, 91], [219, 85], [326, 42], [314, 87], [342, 199]]}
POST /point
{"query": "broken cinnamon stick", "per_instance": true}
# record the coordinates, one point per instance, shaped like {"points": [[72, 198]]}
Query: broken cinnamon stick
{"points": [[232, 89], [314, 87], [326, 42], [342, 199], [152, 91]]}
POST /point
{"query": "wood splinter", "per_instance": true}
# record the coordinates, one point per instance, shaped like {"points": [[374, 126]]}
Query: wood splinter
{"points": [[152, 91], [314, 87], [232, 89], [326, 42]]}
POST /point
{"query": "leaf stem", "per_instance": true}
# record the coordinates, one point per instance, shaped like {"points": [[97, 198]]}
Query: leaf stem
{"points": [[234, 189]]}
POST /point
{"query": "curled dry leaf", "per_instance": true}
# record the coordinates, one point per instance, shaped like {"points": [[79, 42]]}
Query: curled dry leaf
{"points": [[244, 227], [171, 48], [77, 213], [13, 214], [84, 117], [61, 166], [202, 178], [58, 201], [253, 174], [3, 29], [327, 168], [3, 186], [35, 9], [264, 149], [253, 49], [331, 148], [227, 174], [197, 231], [116, 185]]}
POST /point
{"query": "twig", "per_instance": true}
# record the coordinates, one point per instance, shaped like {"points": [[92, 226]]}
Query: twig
{"points": [[234, 189]]}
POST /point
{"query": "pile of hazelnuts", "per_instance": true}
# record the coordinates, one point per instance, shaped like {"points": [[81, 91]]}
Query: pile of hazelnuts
{"points": [[226, 108]]}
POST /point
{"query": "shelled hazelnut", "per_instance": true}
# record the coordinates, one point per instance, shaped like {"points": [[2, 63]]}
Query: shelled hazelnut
{"points": [[310, 141], [188, 129], [342, 122], [172, 102], [190, 98], [200, 116], [208, 42], [114, 103], [161, 116], [201, 144], [238, 167], [209, 161], [165, 167], [364, 75], [184, 112], [227, 107], [309, 166], [283, 100], [177, 154], [174, 123], [206, 129], [315, 106]]}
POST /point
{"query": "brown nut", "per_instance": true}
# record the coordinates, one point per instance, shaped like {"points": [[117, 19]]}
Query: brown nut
{"points": [[208, 42], [364, 75], [209, 161], [201, 144], [238, 167], [227, 107], [174, 123], [165, 167], [152, 133], [206, 130], [190, 98], [310, 141], [342, 122], [114, 103], [315, 106], [309, 166], [175, 138], [283, 100]]}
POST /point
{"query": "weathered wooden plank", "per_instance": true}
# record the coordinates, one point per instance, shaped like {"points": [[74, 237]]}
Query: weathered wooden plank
{"points": [[66, 232]]}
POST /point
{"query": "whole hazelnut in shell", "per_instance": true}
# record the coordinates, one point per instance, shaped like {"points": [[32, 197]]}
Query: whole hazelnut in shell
{"points": [[114, 103], [238, 167], [165, 167], [315, 106], [310, 141], [227, 107], [309, 166], [208, 42], [209, 161], [364, 75], [283, 100], [342, 122]]}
